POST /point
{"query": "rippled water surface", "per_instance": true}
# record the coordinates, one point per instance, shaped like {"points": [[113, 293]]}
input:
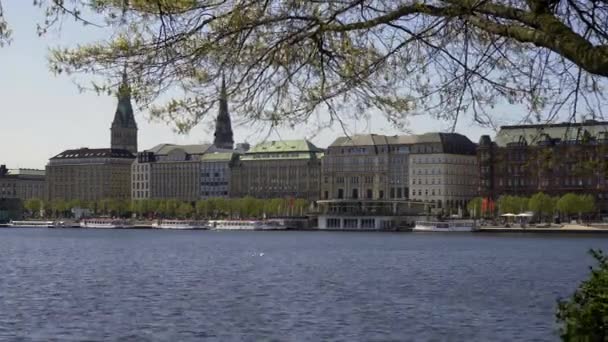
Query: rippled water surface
{"points": [[288, 286]]}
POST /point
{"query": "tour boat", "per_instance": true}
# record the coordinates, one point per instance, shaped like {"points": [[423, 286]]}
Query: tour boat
{"points": [[180, 224], [105, 223], [32, 224], [245, 225], [447, 226]]}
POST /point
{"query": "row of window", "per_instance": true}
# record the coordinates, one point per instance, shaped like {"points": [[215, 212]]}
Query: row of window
{"points": [[386, 148], [395, 193], [444, 160], [566, 181], [450, 192]]}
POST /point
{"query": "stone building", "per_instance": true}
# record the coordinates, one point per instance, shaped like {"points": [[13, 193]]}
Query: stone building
{"points": [[443, 171], [23, 184], [278, 169], [437, 168], [91, 174], [215, 174], [555, 159], [368, 166], [168, 171]]}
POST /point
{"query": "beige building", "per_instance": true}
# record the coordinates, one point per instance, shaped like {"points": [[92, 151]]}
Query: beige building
{"points": [[438, 168], [89, 174], [278, 169], [443, 171], [368, 166], [23, 184], [168, 171]]}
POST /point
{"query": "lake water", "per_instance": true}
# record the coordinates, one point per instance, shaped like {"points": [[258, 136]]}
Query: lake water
{"points": [[155, 285]]}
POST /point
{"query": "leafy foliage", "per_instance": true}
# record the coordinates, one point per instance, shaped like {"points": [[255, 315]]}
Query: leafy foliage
{"points": [[584, 317], [570, 204], [33, 205], [512, 204], [542, 204], [247, 207], [474, 207], [288, 61]]}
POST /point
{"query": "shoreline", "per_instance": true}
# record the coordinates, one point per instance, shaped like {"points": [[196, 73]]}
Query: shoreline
{"points": [[571, 229]]}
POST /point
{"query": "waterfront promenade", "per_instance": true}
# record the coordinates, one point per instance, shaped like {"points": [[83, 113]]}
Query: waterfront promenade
{"points": [[565, 229]]}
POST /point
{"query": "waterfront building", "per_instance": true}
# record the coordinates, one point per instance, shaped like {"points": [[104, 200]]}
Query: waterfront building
{"points": [[22, 184], [438, 168], [215, 174], [553, 158], [368, 166], [91, 174], [443, 171], [168, 171], [375, 181], [278, 169]]}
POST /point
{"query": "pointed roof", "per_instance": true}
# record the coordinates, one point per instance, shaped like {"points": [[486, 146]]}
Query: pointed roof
{"points": [[124, 111], [223, 126]]}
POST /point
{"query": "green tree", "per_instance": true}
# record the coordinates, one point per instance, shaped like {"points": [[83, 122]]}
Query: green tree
{"points": [[474, 207], [59, 207], [571, 204], [103, 206], [584, 316], [289, 59], [33, 205], [512, 204], [184, 210], [170, 208], [75, 203], [202, 208], [587, 204], [542, 204], [300, 207]]}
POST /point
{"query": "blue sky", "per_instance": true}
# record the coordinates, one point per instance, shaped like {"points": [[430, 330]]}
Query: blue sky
{"points": [[43, 114]]}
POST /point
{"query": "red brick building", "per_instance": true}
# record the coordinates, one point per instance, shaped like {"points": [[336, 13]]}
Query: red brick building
{"points": [[555, 159]]}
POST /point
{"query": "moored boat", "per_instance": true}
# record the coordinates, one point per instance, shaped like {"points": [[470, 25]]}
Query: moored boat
{"points": [[31, 224], [105, 223], [246, 225], [180, 224], [446, 226]]}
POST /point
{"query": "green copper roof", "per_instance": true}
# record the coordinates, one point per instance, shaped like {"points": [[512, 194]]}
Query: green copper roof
{"points": [[300, 145], [284, 149], [217, 156]]}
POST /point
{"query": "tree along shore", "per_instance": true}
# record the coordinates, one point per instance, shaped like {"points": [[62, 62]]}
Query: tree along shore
{"points": [[247, 207]]}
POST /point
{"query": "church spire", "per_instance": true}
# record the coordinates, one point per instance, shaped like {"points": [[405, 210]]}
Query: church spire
{"points": [[223, 126], [124, 127]]}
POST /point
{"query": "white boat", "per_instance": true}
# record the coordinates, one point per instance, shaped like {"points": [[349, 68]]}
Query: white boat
{"points": [[447, 226], [32, 224], [245, 225], [180, 224], [105, 223]]}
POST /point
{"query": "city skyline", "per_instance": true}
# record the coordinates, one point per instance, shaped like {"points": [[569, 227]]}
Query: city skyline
{"points": [[44, 114]]}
